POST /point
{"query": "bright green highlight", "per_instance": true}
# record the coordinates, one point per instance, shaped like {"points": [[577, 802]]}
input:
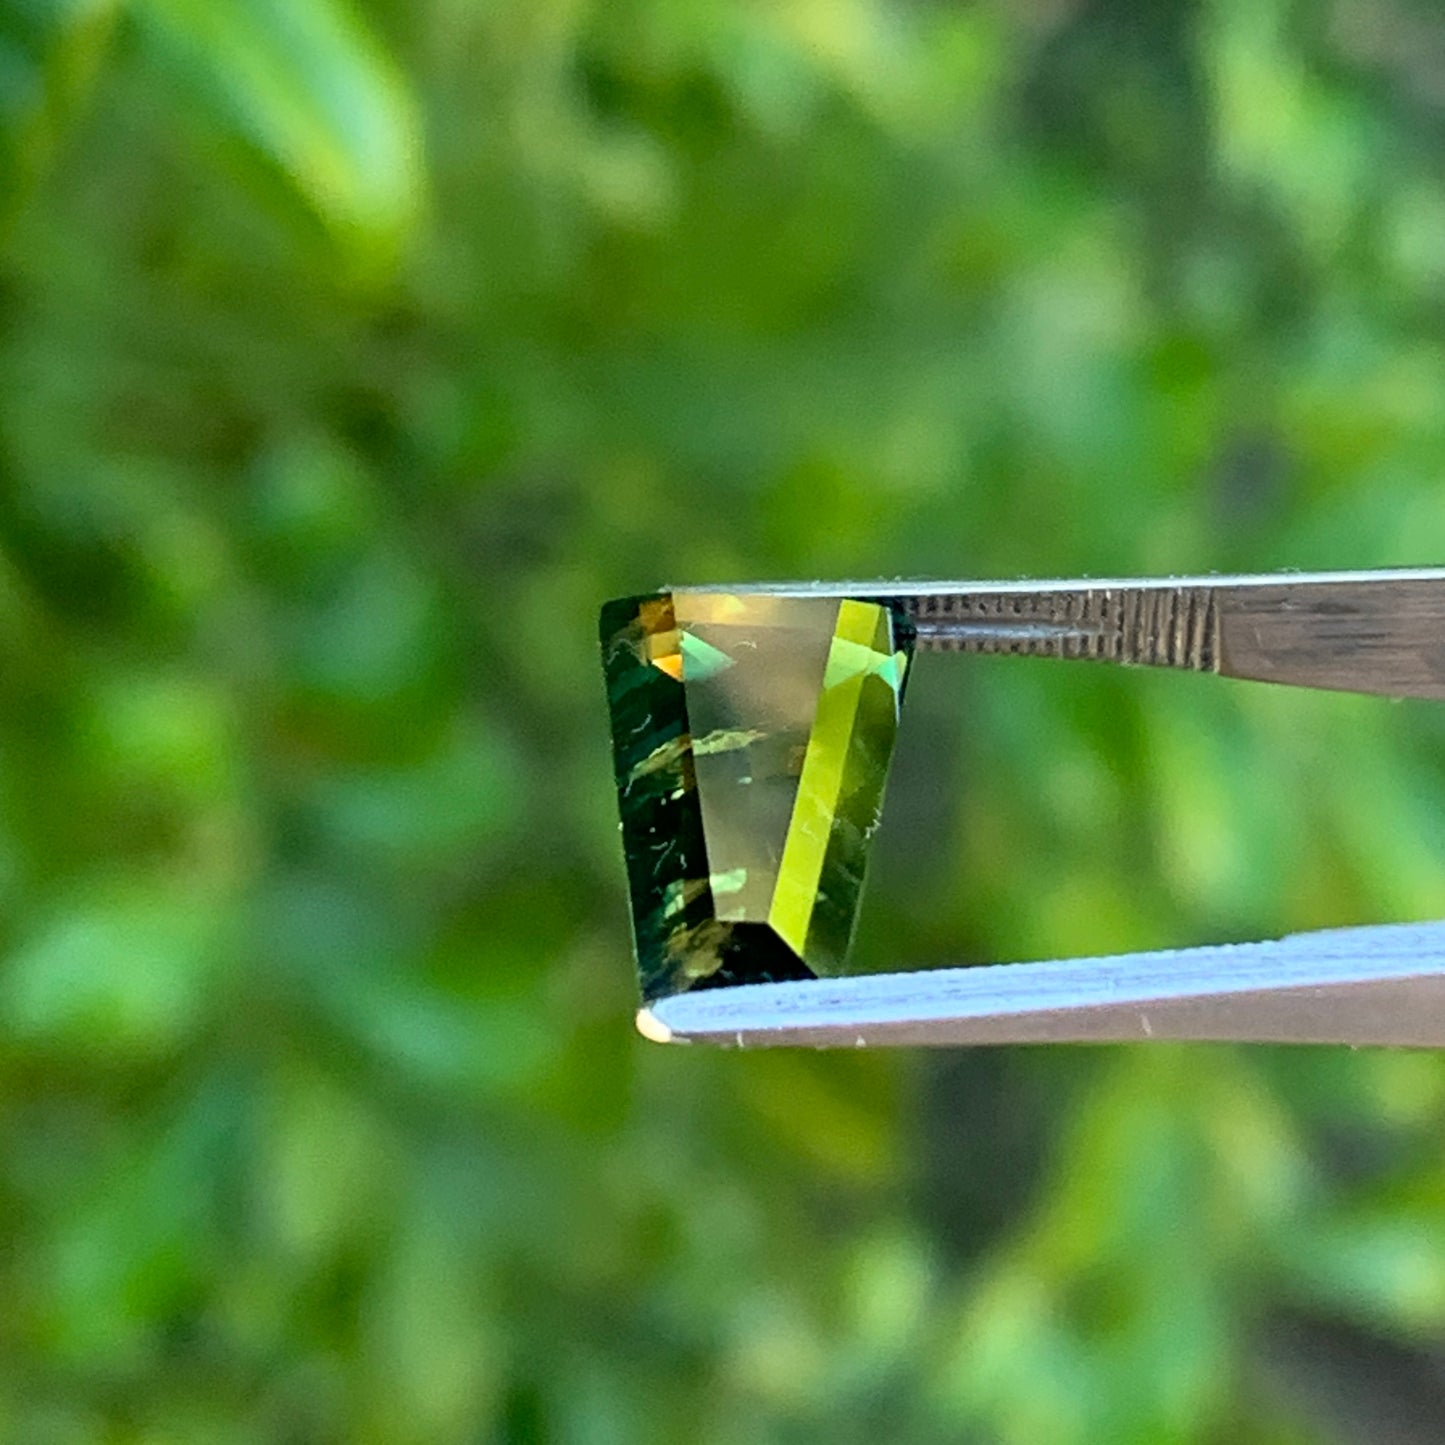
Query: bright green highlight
{"points": [[859, 654]]}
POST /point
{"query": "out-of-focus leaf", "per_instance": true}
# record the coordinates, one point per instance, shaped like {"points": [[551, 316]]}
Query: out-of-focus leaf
{"points": [[1383, 1264], [326, 1167], [375, 636], [429, 1336], [122, 970], [170, 735], [307, 86], [127, 1246], [441, 812], [1283, 128], [49, 52]]}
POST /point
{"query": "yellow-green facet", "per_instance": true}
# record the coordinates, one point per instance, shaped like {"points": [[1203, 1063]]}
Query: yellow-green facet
{"points": [[751, 738]]}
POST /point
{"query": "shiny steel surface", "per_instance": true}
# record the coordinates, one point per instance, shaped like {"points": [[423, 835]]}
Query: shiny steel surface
{"points": [[1360, 986]]}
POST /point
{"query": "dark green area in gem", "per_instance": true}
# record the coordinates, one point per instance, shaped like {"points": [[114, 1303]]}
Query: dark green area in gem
{"points": [[753, 953], [662, 835]]}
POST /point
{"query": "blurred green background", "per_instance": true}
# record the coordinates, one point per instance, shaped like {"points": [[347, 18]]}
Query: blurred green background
{"points": [[349, 357]]}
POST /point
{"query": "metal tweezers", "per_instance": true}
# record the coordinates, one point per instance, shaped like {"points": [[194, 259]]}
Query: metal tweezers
{"points": [[1366, 632]]}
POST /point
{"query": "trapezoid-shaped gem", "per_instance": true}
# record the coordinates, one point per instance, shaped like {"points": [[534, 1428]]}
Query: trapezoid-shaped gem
{"points": [[751, 738]]}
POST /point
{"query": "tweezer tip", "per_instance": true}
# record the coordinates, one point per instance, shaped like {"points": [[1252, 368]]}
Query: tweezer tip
{"points": [[651, 1027]]}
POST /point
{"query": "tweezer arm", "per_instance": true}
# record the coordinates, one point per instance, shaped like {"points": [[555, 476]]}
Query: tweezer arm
{"points": [[1371, 632], [1383, 985], [1376, 634]]}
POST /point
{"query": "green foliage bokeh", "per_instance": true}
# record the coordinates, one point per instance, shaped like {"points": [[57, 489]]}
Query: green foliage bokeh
{"points": [[349, 357]]}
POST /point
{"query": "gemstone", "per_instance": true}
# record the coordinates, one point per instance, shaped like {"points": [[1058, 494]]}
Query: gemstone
{"points": [[751, 737]]}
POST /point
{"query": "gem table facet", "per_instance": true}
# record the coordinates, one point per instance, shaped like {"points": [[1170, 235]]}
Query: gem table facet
{"points": [[751, 739]]}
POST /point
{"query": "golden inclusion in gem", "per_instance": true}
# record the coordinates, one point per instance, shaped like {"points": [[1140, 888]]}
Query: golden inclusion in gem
{"points": [[750, 775]]}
